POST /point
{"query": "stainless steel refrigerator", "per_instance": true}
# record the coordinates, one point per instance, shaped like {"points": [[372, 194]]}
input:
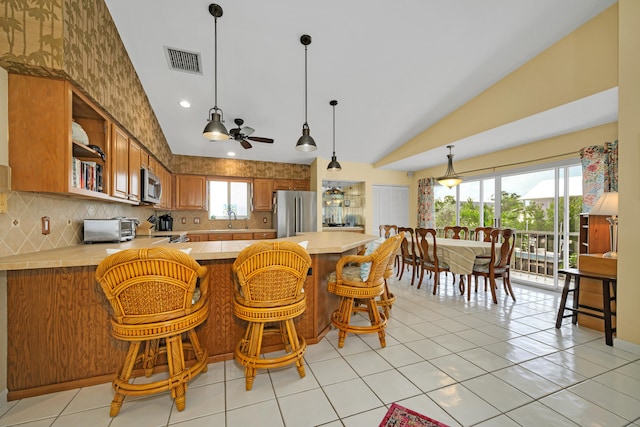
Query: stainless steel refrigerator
{"points": [[294, 212]]}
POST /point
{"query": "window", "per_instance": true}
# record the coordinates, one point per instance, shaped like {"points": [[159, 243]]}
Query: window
{"points": [[229, 199]]}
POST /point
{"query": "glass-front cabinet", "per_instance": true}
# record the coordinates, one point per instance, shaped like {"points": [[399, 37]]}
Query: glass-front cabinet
{"points": [[343, 204]]}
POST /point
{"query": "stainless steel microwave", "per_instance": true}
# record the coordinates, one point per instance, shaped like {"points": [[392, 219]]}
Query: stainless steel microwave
{"points": [[109, 230], [151, 187]]}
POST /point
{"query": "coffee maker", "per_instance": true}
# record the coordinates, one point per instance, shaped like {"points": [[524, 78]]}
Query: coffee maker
{"points": [[165, 223]]}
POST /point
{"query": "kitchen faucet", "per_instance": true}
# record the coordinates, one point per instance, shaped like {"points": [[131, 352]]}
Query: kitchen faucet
{"points": [[231, 212]]}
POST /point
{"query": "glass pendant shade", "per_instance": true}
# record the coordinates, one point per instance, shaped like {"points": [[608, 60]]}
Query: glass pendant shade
{"points": [[450, 178], [306, 142], [215, 130]]}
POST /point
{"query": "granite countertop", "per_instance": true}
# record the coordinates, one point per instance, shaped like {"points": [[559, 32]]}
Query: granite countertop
{"points": [[92, 254]]}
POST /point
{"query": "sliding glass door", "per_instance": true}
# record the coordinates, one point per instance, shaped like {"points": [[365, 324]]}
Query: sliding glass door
{"points": [[532, 202]]}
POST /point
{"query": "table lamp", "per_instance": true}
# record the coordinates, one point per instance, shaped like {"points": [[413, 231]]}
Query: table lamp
{"points": [[607, 204]]}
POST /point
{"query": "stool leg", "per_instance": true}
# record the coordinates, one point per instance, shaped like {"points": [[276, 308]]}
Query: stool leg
{"points": [[576, 299], [175, 361], [563, 300], [125, 374], [295, 345], [606, 304], [346, 308]]}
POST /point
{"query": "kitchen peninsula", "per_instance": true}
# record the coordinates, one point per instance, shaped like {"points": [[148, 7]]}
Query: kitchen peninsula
{"points": [[59, 320]]}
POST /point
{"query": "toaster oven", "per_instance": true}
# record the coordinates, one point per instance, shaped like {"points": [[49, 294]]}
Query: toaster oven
{"points": [[109, 230]]}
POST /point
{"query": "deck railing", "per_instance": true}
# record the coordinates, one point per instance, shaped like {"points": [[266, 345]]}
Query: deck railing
{"points": [[534, 257]]}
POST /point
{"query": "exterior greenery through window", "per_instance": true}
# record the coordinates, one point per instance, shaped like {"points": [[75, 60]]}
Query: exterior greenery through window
{"points": [[229, 199], [531, 201]]}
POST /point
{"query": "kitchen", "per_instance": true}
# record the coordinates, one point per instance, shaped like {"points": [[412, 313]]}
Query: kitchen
{"points": [[22, 225]]}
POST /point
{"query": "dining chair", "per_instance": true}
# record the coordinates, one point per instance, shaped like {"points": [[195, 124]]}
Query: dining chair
{"points": [[158, 296], [483, 234], [387, 230], [456, 232], [502, 245], [409, 257], [427, 248]]}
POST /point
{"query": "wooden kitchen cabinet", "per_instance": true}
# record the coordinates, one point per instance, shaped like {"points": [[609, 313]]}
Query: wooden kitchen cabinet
{"points": [[125, 166], [166, 180], [282, 184], [43, 157], [264, 235], [300, 184], [242, 236], [190, 192], [220, 236], [291, 184], [262, 194], [198, 237]]}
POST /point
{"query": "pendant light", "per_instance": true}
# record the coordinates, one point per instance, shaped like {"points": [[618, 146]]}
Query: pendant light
{"points": [[450, 179], [334, 165], [215, 130], [305, 143]]}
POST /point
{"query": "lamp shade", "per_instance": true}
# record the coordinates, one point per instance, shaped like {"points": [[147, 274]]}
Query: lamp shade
{"points": [[215, 130], [606, 204], [450, 178]]}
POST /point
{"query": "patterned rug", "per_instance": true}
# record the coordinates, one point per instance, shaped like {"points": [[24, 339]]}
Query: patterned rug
{"points": [[398, 416]]}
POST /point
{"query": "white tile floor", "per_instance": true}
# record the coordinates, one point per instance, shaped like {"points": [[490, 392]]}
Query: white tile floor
{"points": [[462, 363]]}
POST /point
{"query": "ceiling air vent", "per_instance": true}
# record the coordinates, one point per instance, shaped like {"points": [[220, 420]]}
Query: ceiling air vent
{"points": [[182, 60]]}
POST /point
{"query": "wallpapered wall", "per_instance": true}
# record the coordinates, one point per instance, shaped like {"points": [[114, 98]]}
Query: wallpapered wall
{"points": [[78, 40]]}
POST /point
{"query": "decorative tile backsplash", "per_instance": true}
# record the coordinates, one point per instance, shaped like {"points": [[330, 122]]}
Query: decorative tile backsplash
{"points": [[21, 226]]}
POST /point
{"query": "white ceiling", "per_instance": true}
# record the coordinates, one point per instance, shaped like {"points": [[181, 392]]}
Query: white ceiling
{"points": [[395, 71]]}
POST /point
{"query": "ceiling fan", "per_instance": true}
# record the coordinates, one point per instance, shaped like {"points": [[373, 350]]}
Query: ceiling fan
{"points": [[241, 134]]}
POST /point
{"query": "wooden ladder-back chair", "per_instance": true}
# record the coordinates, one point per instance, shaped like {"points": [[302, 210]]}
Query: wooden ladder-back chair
{"points": [[408, 254], [456, 232], [502, 244], [388, 230], [347, 283], [155, 301], [269, 295], [483, 234], [428, 250]]}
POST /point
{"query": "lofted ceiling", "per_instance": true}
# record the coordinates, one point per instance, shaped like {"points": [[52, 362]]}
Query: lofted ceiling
{"points": [[395, 71]]}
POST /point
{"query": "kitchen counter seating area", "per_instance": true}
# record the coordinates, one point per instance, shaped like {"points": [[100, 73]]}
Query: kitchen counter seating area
{"points": [[59, 319]]}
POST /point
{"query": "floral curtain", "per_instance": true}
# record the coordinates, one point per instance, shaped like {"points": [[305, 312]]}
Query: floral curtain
{"points": [[599, 172], [426, 204]]}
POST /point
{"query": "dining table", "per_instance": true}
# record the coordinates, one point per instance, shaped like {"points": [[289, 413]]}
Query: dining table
{"points": [[460, 255]]}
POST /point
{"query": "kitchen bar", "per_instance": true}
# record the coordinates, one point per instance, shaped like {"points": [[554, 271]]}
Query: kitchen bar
{"points": [[58, 318]]}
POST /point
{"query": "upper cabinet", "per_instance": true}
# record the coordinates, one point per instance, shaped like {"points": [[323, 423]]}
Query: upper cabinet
{"points": [[190, 192], [125, 166], [56, 155], [291, 184], [262, 194]]}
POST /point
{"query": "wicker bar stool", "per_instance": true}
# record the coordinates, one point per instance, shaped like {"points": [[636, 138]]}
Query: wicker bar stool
{"points": [[349, 284], [270, 279], [155, 301]]}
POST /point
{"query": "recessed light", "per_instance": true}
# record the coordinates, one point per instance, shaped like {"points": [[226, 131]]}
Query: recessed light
{"points": [[185, 104], [231, 154]]}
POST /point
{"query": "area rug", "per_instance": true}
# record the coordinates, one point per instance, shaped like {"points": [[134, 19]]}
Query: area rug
{"points": [[399, 416]]}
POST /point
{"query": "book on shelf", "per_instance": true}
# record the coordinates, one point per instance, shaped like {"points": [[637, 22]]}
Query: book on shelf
{"points": [[86, 175]]}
